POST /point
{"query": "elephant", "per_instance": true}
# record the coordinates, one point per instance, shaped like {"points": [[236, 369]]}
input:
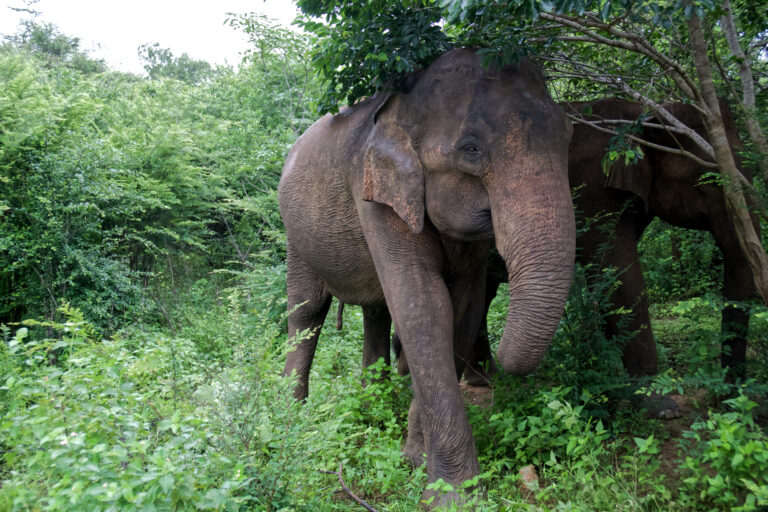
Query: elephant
{"points": [[663, 185], [393, 203]]}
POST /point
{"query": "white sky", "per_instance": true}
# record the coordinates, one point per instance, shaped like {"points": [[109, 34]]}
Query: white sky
{"points": [[114, 29]]}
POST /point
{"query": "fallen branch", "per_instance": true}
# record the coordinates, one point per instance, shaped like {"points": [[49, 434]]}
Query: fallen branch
{"points": [[347, 490]]}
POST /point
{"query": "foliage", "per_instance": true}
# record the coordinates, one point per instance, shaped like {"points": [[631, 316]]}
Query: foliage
{"points": [[148, 420], [362, 46], [726, 459], [582, 355], [197, 421], [690, 344], [85, 434], [54, 49], [281, 55], [107, 178], [581, 464], [679, 263], [160, 63]]}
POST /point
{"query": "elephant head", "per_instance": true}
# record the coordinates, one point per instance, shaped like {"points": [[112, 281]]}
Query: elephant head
{"points": [[482, 154]]}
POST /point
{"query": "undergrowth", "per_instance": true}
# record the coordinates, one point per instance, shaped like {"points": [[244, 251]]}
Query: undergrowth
{"points": [[202, 420]]}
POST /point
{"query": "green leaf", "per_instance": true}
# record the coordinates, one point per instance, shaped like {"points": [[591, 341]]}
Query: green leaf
{"points": [[166, 483]]}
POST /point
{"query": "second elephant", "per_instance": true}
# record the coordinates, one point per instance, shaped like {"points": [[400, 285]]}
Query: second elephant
{"points": [[663, 185]]}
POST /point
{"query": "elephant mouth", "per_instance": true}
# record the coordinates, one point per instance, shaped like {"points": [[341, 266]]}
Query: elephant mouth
{"points": [[478, 228], [484, 222]]}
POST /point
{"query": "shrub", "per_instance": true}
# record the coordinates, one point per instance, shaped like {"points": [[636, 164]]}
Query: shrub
{"points": [[725, 460], [81, 434]]}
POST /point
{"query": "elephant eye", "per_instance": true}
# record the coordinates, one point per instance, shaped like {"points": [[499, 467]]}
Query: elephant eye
{"points": [[469, 155]]}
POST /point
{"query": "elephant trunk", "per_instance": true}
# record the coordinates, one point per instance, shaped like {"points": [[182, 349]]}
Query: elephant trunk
{"points": [[535, 229]]}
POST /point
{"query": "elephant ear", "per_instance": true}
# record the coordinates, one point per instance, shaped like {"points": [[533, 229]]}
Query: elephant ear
{"points": [[392, 172], [636, 178]]}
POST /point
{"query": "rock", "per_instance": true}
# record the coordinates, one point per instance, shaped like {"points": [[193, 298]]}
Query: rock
{"points": [[663, 407], [529, 480]]}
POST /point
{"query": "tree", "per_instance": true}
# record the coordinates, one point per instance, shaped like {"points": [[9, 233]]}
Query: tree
{"points": [[647, 51], [46, 42], [160, 63], [279, 54]]}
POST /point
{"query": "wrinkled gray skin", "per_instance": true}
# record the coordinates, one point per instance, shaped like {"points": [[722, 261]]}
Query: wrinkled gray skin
{"points": [[392, 204], [661, 185]]}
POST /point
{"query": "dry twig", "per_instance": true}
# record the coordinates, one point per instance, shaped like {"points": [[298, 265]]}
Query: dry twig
{"points": [[347, 490]]}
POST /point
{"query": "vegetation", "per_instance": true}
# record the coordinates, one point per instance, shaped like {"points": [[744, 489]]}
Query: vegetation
{"points": [[142, 307]]}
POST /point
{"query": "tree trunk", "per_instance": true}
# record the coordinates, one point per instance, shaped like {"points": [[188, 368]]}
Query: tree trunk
{"points": [[747, 89], [735, 202]]}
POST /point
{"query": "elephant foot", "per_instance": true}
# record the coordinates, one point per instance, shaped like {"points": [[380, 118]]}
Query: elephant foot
{"points": [[438, 500], [414, 458], [662, 407], [481, 375]]}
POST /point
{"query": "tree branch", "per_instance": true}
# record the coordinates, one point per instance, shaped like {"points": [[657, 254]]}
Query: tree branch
{"points": [[632, 42], [633, 138], [657, 109]]}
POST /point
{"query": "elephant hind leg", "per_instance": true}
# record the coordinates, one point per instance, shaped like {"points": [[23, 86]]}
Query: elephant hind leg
{"points": [[309, 293], [481, 367], [738, 286]]}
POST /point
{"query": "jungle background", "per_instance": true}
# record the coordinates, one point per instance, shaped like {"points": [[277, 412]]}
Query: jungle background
{"points": [[142, 293]]}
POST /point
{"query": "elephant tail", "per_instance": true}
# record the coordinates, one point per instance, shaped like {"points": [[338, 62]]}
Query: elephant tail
{"points": [[340, 316]]}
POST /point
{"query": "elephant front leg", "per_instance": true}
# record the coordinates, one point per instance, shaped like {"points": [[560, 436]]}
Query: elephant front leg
{"points": [[410, 267], [466, 284], [437, 422], [438, 428], [639, 355], [481, 367]]}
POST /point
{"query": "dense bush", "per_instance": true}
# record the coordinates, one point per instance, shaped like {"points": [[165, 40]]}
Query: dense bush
{"points": [[106, 176]]}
